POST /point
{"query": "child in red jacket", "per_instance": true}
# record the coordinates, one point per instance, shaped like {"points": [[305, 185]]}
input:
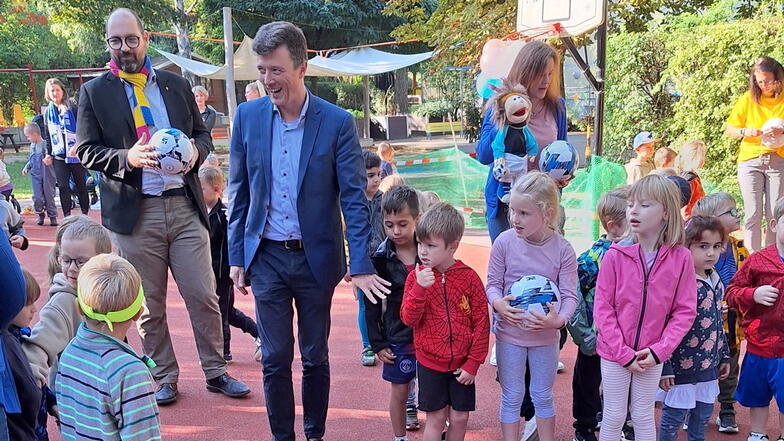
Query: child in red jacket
{"points": [[444, 303], [754, 293]]}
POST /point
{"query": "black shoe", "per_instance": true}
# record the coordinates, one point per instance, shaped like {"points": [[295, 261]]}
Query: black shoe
{"points": [[167, 394], [580, 435], [628, 432], [52, 221], [41, 218], [228, 386]]}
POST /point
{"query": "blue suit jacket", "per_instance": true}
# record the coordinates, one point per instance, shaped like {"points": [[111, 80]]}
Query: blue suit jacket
{"points": [[331, 177]]}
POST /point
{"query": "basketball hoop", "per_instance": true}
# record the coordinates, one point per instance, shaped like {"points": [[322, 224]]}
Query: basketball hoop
{"points": [[552, 30], [573, 17]]}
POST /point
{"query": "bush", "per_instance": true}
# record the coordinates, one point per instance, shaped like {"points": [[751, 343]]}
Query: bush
{"points": [[434, 109], [681, 82]]}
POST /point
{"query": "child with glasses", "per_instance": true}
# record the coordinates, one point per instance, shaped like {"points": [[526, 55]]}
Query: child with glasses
{"points": [[59, 318], [104, 388], [723, 206]]}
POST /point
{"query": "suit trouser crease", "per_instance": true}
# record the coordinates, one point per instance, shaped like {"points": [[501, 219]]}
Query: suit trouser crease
{"points": [[280, 277], [170, 235]]}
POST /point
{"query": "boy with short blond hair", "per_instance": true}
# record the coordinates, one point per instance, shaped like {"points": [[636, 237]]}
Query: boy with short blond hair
{"points": [[41, 175], [664, 158], [445, 289], [754, 292], [387, 154], [59, 318], [212, 186], [97, 365]]}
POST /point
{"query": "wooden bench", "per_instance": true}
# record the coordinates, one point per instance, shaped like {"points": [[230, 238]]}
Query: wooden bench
{"points": [[443, 127]]}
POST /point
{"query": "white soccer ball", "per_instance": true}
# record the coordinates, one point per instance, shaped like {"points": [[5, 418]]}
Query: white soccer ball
{"points": [[533, 293], [176, 154], [770, 140], [559, 159]]}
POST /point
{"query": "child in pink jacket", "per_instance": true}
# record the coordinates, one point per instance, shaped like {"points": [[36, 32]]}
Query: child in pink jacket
{"points": [[646, 301]]}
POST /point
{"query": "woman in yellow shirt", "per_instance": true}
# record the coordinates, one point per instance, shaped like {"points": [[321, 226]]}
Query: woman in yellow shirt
{"points": [[760, 168]]}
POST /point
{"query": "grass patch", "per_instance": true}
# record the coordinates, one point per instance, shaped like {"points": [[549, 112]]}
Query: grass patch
{"points": [[23, 188]]}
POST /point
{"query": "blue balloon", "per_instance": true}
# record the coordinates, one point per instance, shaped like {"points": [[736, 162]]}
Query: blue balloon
{"points": [[486, 92]]}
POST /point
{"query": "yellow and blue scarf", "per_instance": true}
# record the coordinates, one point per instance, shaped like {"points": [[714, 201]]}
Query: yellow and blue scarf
{"points": [[142, 116]]}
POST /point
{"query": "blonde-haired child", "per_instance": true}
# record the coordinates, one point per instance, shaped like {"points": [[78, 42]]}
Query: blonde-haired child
{"points": [[59, 319], [664, 158], [532, 246], [390, 181], [427, 199], [646, 301], [97, 365], [387, 155], [690, 159]]}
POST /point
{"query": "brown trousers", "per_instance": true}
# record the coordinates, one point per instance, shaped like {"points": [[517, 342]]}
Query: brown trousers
{"points": [[169, 235]]}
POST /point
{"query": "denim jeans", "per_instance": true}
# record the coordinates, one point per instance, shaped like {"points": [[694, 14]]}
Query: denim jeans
{"points": [[672, 420], [361, 323], [280, 277]]}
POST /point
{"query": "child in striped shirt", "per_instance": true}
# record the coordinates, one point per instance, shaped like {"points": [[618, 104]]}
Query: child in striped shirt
{"points": [[104, 389]]}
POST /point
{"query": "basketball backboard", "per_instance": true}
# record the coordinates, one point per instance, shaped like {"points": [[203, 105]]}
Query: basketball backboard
{"points": [[575, 17]]}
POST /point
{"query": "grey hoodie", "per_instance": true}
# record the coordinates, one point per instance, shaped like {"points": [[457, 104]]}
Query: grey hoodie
{"points": [[58, 322]]}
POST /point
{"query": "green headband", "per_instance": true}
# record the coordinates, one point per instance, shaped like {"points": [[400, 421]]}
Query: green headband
{"points": [[113, 316]]}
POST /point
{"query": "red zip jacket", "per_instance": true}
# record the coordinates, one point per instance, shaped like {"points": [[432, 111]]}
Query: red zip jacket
{"points": [[450, 319], [761, 324]]}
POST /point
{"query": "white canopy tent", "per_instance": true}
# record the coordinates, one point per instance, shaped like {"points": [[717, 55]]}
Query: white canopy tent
{"points": [[360, 61]]}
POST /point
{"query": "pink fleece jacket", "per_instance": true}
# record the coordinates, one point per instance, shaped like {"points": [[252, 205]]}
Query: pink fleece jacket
{"points": [[637, 308]]}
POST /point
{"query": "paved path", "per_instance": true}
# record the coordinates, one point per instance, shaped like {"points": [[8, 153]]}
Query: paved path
{"points": [[359, 396]]}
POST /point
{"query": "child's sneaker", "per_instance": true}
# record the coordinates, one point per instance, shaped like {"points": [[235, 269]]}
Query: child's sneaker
{"points": [[412, 418], [368, 357], [529, 432], [754, 436], [257, 352], [726, 423], [627, 434], [561, 366]]}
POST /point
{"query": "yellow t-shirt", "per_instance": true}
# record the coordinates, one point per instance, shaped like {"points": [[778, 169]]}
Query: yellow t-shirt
{"points": [[748, 114]]}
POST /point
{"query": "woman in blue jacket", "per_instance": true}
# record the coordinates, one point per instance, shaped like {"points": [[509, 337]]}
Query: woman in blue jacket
{"points": [[536, 68], [12, 299]]}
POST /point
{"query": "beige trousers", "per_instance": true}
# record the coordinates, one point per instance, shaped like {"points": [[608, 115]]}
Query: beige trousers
{"points": [[170, 235]]}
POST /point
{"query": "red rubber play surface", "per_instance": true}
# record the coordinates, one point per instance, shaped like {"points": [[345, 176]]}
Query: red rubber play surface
{"points": [[359, 398]]}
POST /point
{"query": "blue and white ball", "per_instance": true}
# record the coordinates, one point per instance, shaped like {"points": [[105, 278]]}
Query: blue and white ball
{"points": [[559, 159], [176, 154], [533, 293]]}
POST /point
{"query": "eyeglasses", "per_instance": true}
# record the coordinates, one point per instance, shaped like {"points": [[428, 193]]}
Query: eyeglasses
{"points": [[764, 83], [734, 213], [66, 262], [132, 41]]}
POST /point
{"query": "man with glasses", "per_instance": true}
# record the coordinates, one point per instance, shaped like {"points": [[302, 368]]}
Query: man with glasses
{"points": [[159, 221]]}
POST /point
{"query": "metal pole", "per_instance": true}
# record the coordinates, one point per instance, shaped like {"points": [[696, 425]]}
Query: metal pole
{"points": [[601, 62], [32, 86], [366, 104], [228, 47]]}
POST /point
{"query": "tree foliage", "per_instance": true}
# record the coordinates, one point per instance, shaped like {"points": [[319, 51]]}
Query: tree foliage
{"points": [[681, 81]]}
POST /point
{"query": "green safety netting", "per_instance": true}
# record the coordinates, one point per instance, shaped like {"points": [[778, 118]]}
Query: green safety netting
{"points": [[460, 180], [582, 195], [456, 177]]}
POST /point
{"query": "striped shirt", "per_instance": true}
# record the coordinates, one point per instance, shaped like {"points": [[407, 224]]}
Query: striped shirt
{"points": [[105, 391]]}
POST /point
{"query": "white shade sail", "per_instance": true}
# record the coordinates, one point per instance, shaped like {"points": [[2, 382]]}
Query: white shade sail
{"points": [[361, 61]]}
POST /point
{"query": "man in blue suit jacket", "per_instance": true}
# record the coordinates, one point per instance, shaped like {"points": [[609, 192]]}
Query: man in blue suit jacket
{"points": [[295, 163]]}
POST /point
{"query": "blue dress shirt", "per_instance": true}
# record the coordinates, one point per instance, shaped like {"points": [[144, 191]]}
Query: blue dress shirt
{"points": [[283, 220]]}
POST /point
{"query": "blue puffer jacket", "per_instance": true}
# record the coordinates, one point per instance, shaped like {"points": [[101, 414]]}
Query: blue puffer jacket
{"points": [[12, 299], [484, 153]]}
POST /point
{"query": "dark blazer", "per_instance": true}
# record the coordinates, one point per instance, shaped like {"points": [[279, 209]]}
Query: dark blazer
{"points": [[105, 131], [331, 177]]}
